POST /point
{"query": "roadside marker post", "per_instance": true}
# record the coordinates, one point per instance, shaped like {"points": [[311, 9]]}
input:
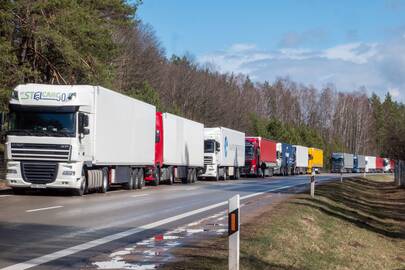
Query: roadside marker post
{"points": [[312, 179], [341, 177], [233, 232]]}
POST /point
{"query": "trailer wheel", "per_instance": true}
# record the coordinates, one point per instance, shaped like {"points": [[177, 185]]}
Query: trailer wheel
{"points": [[135, 178], [171, 176], [156, 177], [104, 183], [194, 176], [225, 177], [217, 177], [141, 179], [237, 173]]}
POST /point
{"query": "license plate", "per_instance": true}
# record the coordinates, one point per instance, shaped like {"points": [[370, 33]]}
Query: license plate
{"points": [[38, 186]]}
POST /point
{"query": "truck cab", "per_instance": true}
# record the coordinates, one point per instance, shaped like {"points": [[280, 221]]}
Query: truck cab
{"points": [[211, 155], [48, 137], [337, 162]]}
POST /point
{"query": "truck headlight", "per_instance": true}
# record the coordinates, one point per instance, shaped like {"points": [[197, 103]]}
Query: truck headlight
{"points": [[68, 173], [12, 171]]}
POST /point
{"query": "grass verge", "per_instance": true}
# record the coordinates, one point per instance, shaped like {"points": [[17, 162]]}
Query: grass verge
{"points": [[357, 224]]}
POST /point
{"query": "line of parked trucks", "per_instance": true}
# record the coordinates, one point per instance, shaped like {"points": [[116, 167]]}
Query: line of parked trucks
{"points": [[347, 163], [88, 138]]}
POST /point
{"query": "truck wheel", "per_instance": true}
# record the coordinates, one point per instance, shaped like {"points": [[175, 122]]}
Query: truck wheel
{"points": [[194, 179], [130, 184], [82, 190], [136, 178], [171, 176], [104, 183], [141, 182], [225, 177], [237, 173], [217, 177], [156, 177]]}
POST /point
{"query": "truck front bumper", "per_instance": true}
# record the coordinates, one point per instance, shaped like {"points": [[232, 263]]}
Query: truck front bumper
{"points": [[210, 171], [68, 177]]}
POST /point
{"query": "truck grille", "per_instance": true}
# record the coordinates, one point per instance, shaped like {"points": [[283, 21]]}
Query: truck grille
{"points": [[207, 160], [36, 151], [39, 172]]}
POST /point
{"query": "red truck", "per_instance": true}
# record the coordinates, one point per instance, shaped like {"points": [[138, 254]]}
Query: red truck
{"points": [[379, 164], [259, 152]]}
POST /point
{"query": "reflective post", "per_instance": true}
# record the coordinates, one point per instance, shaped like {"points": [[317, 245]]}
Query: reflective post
{"points": [[233, 232], [312, 179]]}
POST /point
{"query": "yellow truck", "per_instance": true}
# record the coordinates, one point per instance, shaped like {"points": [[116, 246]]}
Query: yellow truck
{"points": [[315, 160]]}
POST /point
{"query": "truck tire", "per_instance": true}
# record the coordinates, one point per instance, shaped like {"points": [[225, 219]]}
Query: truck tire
{"points": [[141, 179], [217, 177], [156, 176], [225, 177], [237, 173], [131, 182], [83, 188], [104, 182], [171, 176], [194, 178], [136, 178]]}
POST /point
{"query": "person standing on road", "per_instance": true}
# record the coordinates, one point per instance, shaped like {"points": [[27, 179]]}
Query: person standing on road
{"points": [[263, 168]]}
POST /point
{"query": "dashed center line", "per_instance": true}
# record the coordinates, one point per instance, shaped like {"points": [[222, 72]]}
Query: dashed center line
{"points": [[43, 209], [3, 196], [140, 195]]}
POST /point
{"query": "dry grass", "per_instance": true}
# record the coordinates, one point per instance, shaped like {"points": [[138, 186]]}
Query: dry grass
{"points": [[358, 224]]}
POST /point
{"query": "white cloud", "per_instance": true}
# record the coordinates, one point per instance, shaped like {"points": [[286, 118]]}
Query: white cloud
{"points": [[380, 67]]}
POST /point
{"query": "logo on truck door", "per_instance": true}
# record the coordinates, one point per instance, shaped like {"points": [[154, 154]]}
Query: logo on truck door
{"points": [[226, 146]]}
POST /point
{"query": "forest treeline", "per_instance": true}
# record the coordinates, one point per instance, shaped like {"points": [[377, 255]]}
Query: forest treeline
{"points": [[102, 42]]}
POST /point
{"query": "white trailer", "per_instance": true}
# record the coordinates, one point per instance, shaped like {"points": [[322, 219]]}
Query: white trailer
{"points": [[224, 153], [371, 164], [301, 159], [179, 150], [77, 137]]}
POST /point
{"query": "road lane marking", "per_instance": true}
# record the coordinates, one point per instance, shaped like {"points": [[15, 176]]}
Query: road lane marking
{"points": [[3, 196], [107, 239], [140, 195], [43, 209]]}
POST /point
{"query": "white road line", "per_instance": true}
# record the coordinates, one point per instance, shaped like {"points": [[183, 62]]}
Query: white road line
{"points": [[3, 196], [140, 195], [42, 209], [107, 239]]}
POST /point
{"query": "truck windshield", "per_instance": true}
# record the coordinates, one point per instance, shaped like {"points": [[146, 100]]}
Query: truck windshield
{"points": [[33, 123], [209, 146], [249, 151]]}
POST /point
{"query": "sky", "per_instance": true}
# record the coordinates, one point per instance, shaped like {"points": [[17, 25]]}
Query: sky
{"points": [[350, 43]]}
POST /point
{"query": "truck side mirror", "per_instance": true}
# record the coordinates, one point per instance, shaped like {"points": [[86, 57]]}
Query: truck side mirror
{"points": [[83, 123], [217, 146]]}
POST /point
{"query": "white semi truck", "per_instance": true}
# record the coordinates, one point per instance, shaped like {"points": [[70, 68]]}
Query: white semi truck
{"points": [[301, 159], [78, 137], [179, 150], [224, 153]]}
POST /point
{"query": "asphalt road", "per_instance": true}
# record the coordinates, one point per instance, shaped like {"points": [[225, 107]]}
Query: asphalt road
{"points": [[55, 231]]}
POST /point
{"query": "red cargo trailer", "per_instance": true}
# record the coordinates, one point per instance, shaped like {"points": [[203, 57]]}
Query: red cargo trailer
{"points": [[379, 164], [259, 152]]}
